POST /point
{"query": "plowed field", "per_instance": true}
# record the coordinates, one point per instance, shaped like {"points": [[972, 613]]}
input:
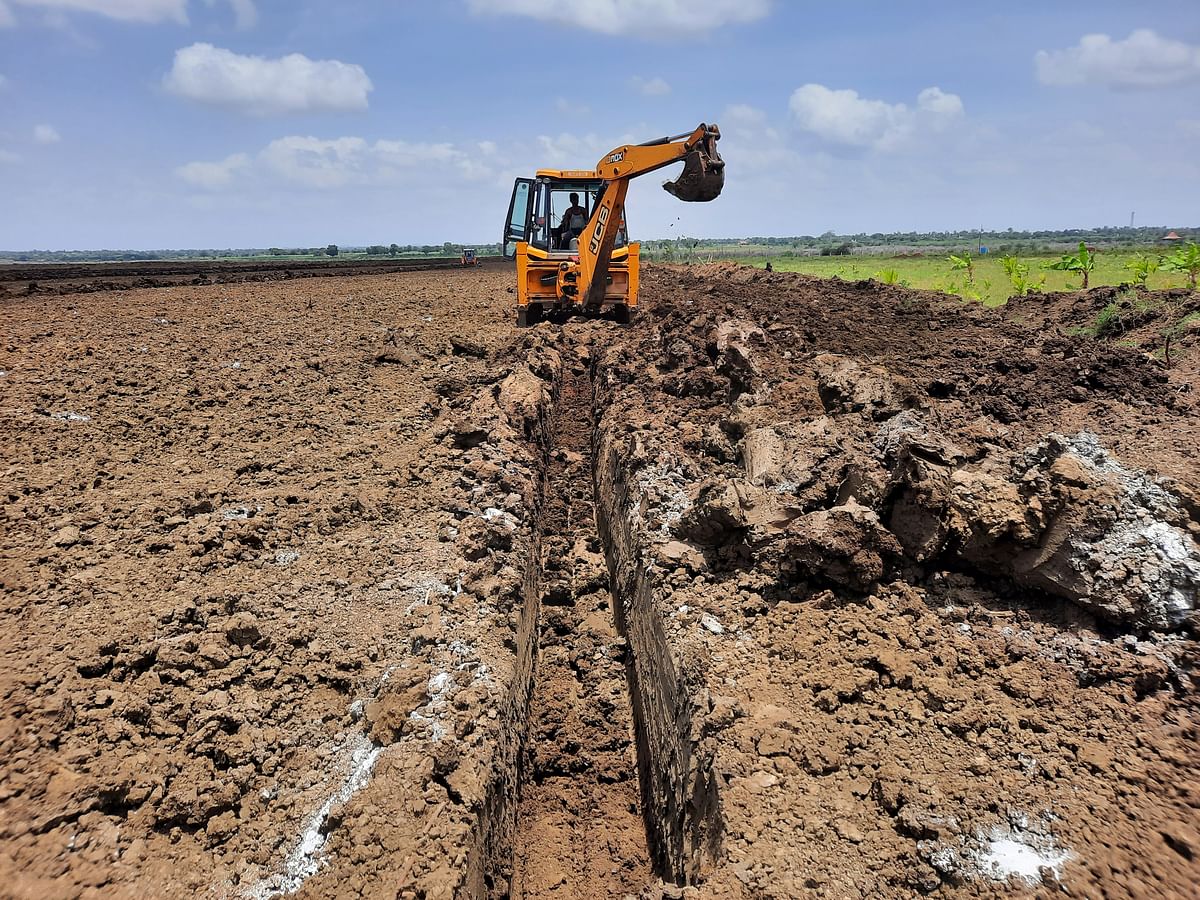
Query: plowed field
{"points": [[345, 587]]}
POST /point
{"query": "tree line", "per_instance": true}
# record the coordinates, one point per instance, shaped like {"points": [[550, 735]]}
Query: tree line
{"points": [[828, 242]]}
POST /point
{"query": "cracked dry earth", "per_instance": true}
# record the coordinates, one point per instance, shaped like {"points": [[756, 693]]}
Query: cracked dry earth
{"points": [[348, 588]]}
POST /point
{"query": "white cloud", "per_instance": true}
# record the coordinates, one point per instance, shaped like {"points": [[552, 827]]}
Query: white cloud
{"points": [[213, 174], [260, 86], [634, 17], [843, 117], [651, 87], [755, 146], [46, 134], [315, 162], [936, 101], [574, 151], [340, 162], [7, 156], [1142, 60], [145, 11], [396, 156]]}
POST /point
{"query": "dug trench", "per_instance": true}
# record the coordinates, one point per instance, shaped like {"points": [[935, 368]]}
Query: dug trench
{"points": [[893, 624], [607, 771], [579, 831]]}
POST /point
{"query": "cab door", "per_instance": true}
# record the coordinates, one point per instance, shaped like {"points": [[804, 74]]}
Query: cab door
{"points": [[516, 226]]}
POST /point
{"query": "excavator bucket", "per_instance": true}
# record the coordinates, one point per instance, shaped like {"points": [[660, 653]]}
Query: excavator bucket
{"points": [[703, 174]]}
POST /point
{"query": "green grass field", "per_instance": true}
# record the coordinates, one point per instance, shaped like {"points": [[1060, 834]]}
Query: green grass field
{"points": [[992, 285]]}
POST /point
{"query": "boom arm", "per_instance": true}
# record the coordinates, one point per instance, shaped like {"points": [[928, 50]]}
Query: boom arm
{"points": [[702, 179]]}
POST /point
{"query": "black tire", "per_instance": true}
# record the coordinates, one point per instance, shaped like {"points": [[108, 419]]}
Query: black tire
{"points": [[530, 314]]}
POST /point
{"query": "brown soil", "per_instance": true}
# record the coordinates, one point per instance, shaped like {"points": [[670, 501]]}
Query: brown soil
{"points": [[580, 831], [347, 588], [1162, 324], [261, 543], [883, 702], [23, 279]]}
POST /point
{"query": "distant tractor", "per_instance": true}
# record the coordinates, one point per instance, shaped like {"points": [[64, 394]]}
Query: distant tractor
{"points": [[469, 258]]}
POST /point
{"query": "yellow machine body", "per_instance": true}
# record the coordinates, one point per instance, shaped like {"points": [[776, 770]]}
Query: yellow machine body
{"points": [[586, 263], [548, 274]]}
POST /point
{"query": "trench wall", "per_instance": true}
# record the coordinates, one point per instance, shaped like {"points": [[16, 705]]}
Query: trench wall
{"points": [[680, 800], [489, 861], [680, 797]]}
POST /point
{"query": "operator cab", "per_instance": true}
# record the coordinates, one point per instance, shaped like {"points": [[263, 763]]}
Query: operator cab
{"points": [[543, 212]]}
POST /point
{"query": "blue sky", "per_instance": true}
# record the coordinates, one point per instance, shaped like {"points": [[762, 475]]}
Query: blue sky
{"points": [[214, 123]]}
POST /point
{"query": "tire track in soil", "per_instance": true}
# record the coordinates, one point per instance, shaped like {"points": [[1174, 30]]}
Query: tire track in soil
{"points": [[580, 832]]}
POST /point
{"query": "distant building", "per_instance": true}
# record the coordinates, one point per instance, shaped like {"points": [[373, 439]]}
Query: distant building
{"points": [[1171, 236]]}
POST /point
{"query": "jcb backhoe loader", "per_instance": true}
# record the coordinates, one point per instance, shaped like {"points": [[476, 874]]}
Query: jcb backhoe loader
{"points": [[566, 228]]}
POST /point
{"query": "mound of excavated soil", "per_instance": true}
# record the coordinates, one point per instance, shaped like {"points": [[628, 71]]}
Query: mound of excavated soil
{"points": [[1162, 324], [913, 596], [347, 588]]}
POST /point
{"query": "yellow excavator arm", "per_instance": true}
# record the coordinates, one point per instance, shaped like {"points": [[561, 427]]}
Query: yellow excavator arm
{"points": [[702, 179]]}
